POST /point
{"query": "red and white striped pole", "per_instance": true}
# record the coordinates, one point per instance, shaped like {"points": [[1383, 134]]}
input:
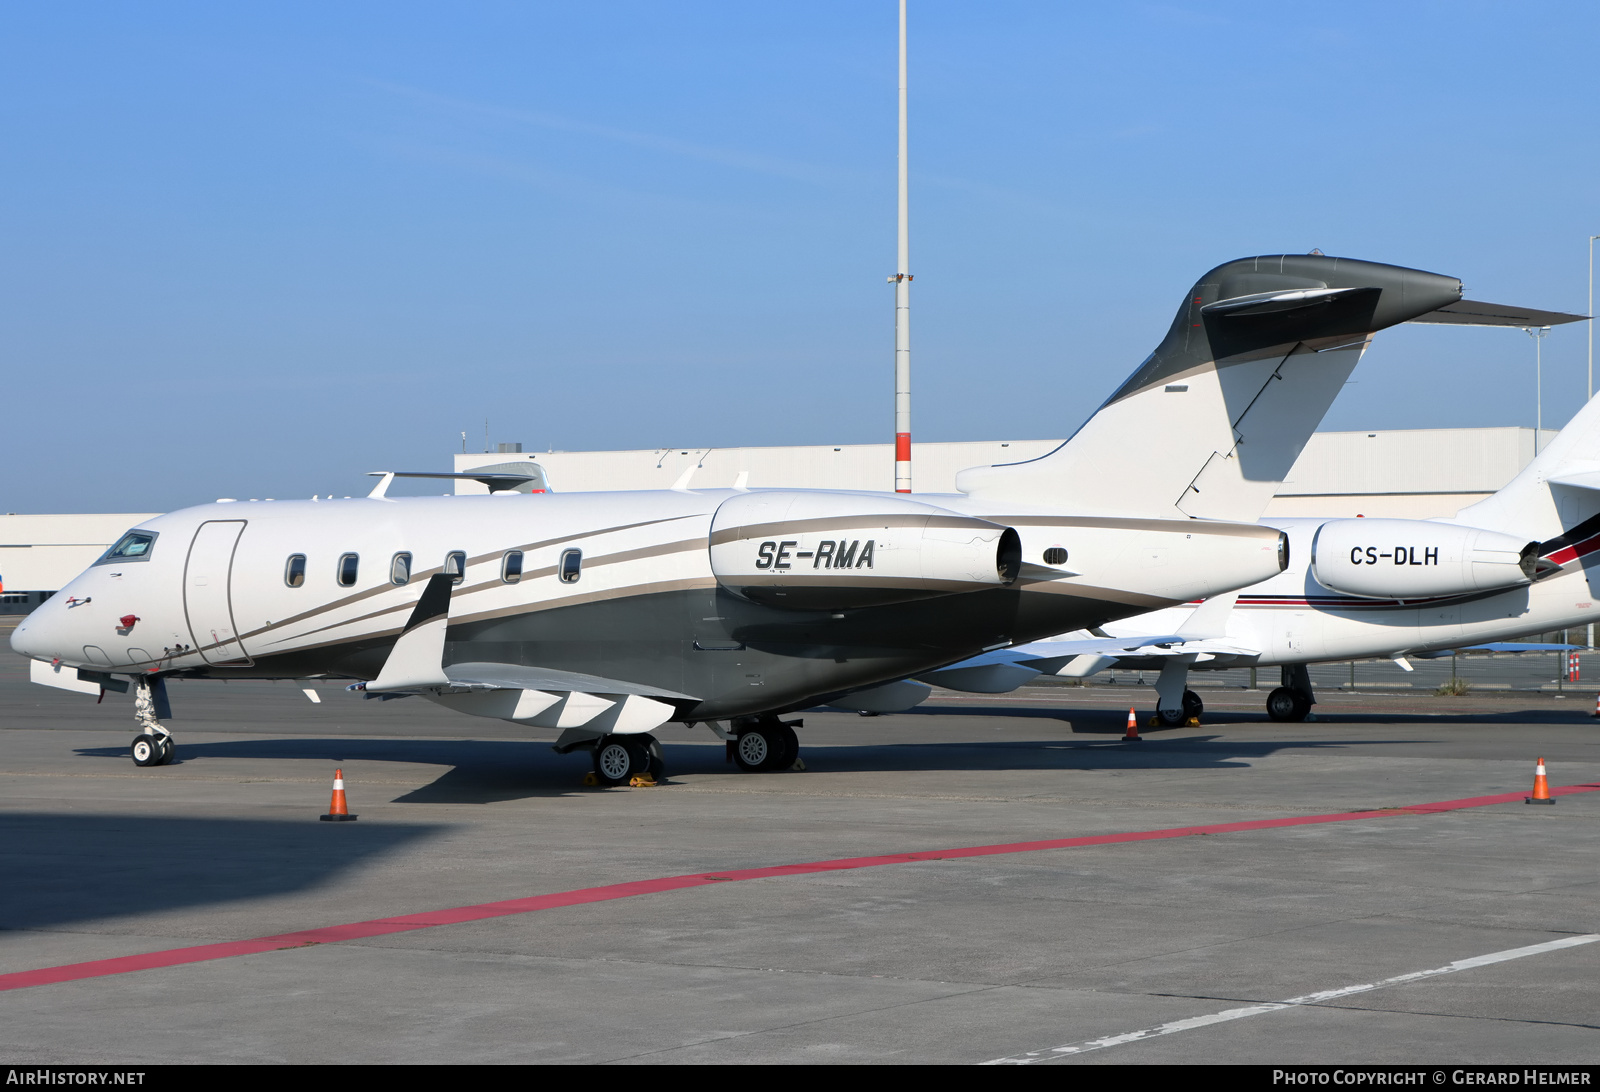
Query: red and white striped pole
{"points": [[902, 301]]}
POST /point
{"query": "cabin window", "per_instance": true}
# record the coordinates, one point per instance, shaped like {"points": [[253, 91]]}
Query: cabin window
{"points": [[511, 567], [348, 564], [571, 566], [455, 565], [294, 573], [133, 546], [400, 569]]}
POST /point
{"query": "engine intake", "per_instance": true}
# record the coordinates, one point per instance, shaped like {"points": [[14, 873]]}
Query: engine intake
{"points": [[1417, 559], [830, 551]]}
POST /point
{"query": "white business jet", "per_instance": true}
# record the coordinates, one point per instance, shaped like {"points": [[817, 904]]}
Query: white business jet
{"points": [[605, 616], [1516, 563]]}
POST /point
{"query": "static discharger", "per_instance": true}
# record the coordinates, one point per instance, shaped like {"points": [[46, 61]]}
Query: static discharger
{"points": [[1541, 787], [1132, 734], [339, 812]]}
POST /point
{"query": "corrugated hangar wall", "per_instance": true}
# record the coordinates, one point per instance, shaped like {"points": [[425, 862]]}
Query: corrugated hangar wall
{"points": [[1413, 473]]}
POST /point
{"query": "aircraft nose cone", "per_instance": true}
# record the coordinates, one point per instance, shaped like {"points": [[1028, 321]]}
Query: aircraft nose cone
{"points": [[22, 640], [34, 635]]}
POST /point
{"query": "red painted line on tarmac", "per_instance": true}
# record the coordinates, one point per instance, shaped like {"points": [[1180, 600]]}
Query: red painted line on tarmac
{"points": [[406, 923]]}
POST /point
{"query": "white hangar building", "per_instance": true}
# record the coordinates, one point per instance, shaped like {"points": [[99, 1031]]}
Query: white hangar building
{"points": [[1411, 473], [1414, 473]]}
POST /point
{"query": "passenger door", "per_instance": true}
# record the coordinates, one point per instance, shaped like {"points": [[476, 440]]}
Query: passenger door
{"points": [[206, 599]]}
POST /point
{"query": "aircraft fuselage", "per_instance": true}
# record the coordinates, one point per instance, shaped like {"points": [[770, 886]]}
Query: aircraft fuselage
{"points": [[617, 585]]}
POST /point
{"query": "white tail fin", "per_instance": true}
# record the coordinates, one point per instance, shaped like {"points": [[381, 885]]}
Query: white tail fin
{"points": [[1558, 491], [1213, 420]]}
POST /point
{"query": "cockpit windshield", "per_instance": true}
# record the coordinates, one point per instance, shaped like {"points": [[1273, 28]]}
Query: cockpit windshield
{"points": [[133, 546]]}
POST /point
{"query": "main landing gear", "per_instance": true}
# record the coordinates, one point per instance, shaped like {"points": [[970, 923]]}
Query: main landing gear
{"points": [[617, 759], [764, 744], [1176, 704], [1177, 718], [153, 745], [1293, 700]]}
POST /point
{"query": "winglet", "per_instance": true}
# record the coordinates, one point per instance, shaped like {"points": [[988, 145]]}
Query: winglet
{"points": [[1210, 619], [417, 658]]}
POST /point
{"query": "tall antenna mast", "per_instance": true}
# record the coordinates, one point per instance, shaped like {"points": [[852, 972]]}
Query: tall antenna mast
{"points": [[902, 303]]}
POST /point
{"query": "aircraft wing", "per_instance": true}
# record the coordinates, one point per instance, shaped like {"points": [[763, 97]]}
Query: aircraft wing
{"points": [[1005, 669], [1473, 313], [1049, 650], [492, 676], [1497, 646]]}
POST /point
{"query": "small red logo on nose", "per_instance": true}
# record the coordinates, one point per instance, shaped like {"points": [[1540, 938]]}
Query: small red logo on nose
{"points": [[128, 620]]}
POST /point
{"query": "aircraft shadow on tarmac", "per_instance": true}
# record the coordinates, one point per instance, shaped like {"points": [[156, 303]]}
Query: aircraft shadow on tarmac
{"points": [[71, 867], [489, 771], [1114, 721]]}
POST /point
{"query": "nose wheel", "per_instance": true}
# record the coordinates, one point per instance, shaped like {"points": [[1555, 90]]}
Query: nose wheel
{"points": [[150, 750]]}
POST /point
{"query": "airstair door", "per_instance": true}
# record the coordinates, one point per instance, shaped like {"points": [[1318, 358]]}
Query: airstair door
{"points": [[206, 601]]}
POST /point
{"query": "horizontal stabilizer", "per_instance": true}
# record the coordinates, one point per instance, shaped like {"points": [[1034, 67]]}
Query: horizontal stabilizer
{"points": [[531, 480], [1589, 480], [1473, 313]]}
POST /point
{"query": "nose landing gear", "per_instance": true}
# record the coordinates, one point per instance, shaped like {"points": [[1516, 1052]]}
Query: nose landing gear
{"points": [[153, 746]]}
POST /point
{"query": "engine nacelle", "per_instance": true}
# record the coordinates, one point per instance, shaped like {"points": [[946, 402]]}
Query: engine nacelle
{"points": [[830, 551], [1417, 559]]}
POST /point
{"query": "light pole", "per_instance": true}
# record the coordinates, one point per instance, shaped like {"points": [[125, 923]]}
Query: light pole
{"points": [[1590, 311], [1537, 333], [902, 299]]}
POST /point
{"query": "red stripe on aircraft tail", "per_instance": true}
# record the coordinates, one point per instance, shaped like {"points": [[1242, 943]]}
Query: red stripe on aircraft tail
{"points": [[360, 930]]}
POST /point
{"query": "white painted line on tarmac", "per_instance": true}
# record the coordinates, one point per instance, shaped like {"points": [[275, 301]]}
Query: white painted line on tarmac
{"points": [[1318, 998]]}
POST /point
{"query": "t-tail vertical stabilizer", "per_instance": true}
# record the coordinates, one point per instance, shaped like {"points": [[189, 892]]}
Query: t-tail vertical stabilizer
{"points": [[1211, 422]]}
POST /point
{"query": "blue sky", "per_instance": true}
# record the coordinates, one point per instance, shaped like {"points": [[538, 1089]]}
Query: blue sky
{"points": [[258, 250]]}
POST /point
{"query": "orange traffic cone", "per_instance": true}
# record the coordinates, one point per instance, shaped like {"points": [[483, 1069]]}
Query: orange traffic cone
{"points": [[1541, 787], [337, 811], [1597, 705], [1132, 734]]}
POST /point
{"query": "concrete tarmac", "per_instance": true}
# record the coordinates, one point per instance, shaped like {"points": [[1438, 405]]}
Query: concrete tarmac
{"points": [[961, 960]]}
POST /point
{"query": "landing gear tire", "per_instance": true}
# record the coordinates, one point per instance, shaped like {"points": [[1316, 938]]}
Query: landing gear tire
{"points": [[655, 761], [1171, 718], [1192, 705], [790, 748], [145, 751], [758, 750], [169, 750], [617, 759], [1284, 704]]}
